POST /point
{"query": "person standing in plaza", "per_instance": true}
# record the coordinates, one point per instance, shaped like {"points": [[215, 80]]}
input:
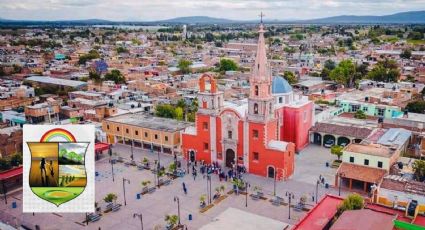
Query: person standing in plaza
{"points": [[194, 174], [184, 188]]}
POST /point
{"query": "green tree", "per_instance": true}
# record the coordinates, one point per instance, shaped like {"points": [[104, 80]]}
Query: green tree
{"points": [[171, 220], [121, 49], [228, 65], [94, 76], [385, 70], [416, 106], [116, 76], [344, 73], [165, 110], [337, 150], [5, 164], [360, 114], [62, 152], [93, 54], [329, 64], [178, 113], [406, 54], [290, 77], [419, 170], [351, 202], [184, 66], [16, 159]]}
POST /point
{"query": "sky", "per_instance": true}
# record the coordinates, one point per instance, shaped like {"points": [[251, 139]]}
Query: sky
{"points": [[149, 10]]}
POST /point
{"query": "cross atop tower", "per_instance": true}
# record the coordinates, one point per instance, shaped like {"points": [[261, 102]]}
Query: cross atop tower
{"points": [[261, 16]]}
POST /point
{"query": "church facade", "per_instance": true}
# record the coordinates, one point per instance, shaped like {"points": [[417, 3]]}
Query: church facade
{"points": [[261, 133]]}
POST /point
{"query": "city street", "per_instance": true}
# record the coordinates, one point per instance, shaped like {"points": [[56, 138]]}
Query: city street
{"points": [[310, 163]]}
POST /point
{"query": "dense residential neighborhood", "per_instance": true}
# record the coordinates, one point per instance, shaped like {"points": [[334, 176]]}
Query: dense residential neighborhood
{"points": [[264, 125]]}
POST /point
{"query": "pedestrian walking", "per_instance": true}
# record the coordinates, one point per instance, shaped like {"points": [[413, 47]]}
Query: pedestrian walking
{"points": [[184, 188]]}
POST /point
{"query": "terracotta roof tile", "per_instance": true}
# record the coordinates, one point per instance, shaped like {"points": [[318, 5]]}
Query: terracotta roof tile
{"points": [[341, 130], [361, 173]]}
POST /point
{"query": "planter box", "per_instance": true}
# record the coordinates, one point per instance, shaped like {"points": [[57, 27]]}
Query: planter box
{"points": [[206, 208], [220, 198]]}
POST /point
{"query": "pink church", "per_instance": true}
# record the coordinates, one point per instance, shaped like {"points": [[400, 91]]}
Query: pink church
{"points": [[261, 133]]}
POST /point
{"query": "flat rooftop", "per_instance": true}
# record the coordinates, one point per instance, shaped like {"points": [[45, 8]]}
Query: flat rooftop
{"points": [[146, 121], [56, 81]]}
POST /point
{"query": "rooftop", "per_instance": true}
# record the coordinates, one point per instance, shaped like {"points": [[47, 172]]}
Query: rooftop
{"points": [[395, 137], [56, 81], [342, 130], [320, 215], [369, 149], [150, 122], [361, 173], [371, 220]]}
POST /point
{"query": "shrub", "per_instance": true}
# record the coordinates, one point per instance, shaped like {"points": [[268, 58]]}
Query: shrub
{"points": [[111, 197]]}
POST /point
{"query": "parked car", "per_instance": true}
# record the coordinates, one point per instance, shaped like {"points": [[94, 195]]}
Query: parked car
{"points": [[329, 143]]}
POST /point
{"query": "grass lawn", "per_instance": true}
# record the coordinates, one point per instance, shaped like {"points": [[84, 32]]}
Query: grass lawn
{"points": [[416, 42], [57, 195]]}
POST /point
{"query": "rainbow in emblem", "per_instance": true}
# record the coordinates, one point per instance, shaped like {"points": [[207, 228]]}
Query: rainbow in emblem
{"points": [[58, 135]]}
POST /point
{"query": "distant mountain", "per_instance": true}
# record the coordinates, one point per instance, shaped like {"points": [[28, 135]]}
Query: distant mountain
{"points": [[412, 17], [197, 20]]}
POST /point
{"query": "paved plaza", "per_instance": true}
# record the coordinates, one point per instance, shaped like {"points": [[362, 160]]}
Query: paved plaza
{"points": [[310, 163]]}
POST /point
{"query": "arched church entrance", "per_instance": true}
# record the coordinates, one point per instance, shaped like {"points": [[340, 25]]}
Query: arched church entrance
{"points": [[230, 157]]}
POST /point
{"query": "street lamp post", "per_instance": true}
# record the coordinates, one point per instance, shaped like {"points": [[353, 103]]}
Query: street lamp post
{"points": [[274, 184], [209, 188], [123, 186], [317, 189], [140, 217], [159, 160], [246, 193], [4, 191], [290, 196], [339, 184], [176, 199], [112, 163], [132, 155]]}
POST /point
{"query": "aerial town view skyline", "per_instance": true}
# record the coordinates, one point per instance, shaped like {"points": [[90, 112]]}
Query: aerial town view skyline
{"points": [[245, 114]]}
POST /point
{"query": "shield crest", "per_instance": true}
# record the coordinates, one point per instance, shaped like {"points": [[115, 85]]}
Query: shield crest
{"points": [[58, 174]]}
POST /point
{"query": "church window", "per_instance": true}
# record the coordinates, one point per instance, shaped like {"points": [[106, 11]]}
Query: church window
{"points": [[205, 146], [255, 133], [205, 125], [280, 99], [255, 108], [256, 90], [229, 134], [256, 156]]}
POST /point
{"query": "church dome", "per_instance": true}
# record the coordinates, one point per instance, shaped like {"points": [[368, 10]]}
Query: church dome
{"points": [[280, 85]]}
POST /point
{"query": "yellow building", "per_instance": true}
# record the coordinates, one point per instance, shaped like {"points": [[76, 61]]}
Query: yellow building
{"points": [[145, 131]]}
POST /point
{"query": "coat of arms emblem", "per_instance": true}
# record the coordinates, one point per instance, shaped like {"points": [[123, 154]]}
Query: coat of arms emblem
{"points": [[58, 172]]}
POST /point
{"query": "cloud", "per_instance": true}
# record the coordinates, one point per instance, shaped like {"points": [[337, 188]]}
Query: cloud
{"points": [[232, 9]]}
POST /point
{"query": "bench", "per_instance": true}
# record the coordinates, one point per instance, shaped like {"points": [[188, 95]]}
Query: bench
{"points": [[93, 217], [166, 182], [116, 207], [277, 201], [151, 190]]}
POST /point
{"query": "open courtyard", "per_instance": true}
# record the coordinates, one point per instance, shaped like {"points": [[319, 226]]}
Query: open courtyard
{"points": [[310, 163]]}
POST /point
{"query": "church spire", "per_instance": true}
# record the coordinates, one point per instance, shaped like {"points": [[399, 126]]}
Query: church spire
{"points": [[261, 70]]}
